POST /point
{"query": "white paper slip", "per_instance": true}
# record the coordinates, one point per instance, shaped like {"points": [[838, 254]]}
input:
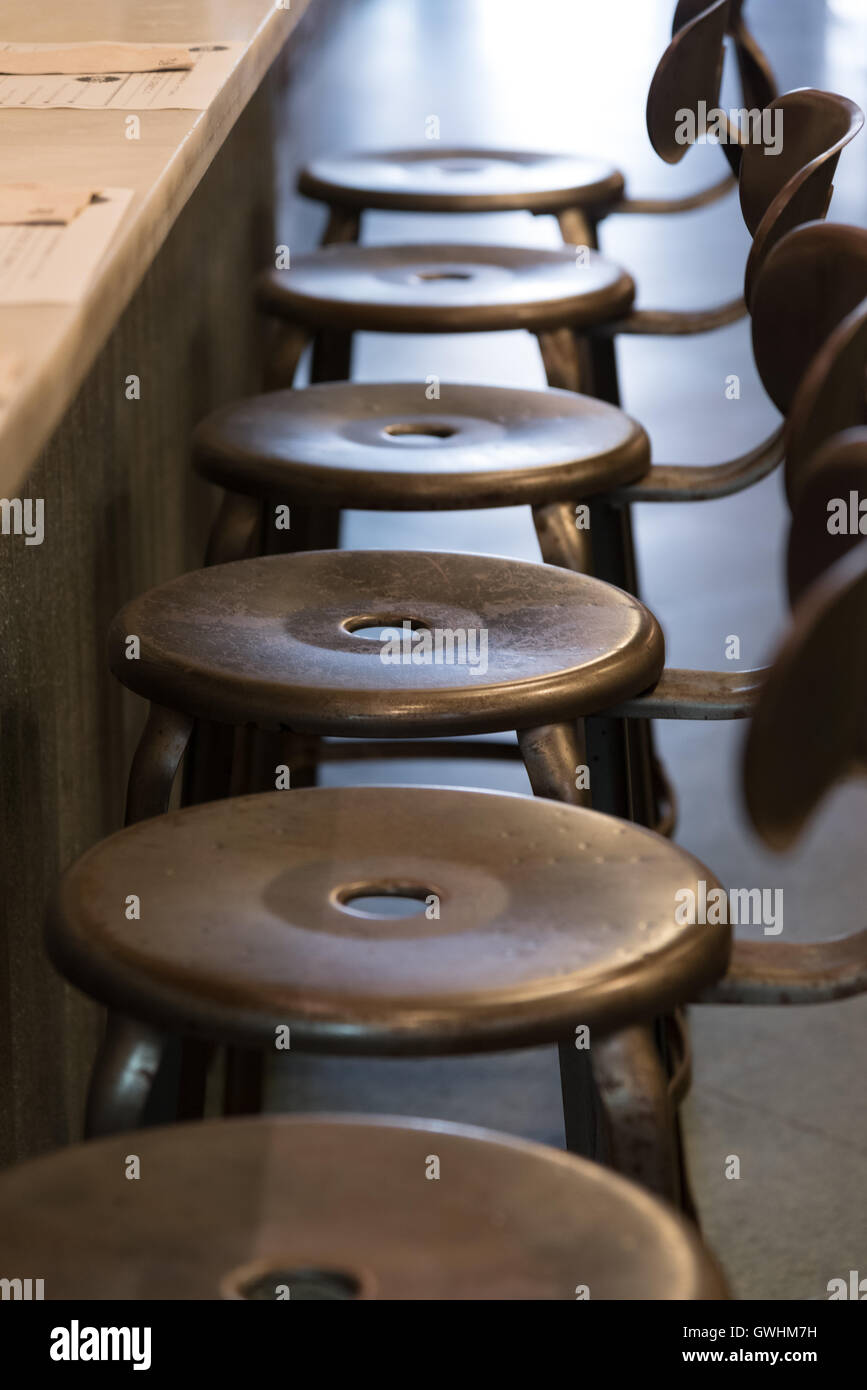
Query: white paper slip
{"points": [[190, 90], [54, 265], [39, 203], [29, 59]]}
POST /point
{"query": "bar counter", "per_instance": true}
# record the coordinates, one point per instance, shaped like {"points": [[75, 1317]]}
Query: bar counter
{"points": [[170, 306]]}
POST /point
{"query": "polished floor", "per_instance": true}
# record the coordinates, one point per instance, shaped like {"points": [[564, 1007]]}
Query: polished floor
{"points": [[783, 1089]]}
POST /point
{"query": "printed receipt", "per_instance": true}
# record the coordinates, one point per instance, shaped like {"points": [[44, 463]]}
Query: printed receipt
{"points": [[54, 264], [185, 89]]}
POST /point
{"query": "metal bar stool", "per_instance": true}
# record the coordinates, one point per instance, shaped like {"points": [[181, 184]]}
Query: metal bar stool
{"points": [[387, 446], [282, 939], [273, 641], [579, 192], [249, 447], [536, 922], [560, 296], [339, 1207]]}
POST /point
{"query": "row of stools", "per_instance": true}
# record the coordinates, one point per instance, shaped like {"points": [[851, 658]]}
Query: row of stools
{"points": [[250, 923]]}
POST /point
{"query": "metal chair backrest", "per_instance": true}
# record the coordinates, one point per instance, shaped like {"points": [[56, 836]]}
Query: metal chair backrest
{"points": [[783, 190], [809, 727], [830, 517], [812, 280]]}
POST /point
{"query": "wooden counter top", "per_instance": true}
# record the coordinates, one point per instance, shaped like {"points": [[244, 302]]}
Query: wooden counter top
{"points": [[57, 344]]}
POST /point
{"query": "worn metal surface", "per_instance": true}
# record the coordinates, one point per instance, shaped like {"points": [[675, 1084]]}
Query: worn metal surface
{"points": [[469, 179], [549, 916], [818, 681], [689, 72], [811, 281], [269, 640], [444, 288], [685, 482], [830, 399], [638, 1112], [434, 178], [379, 445], [274, 1201], [795, 185], [697, 695], [834, 478]]}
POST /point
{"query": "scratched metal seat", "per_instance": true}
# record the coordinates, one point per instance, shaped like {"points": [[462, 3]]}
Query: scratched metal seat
{"points": [[578, 191], [342, 289], [259, 912], [299, 641], [275, 911], [447, 288], [328, 1207], [386, 446], [438, 289]]}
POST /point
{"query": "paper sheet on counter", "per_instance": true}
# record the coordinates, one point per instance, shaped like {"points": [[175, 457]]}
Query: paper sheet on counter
{"points": [[32, 59], [192, 89], [10, 373], [55, 264], [40, 203]]}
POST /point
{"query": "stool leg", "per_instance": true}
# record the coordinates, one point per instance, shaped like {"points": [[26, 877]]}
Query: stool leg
{"points": [[626, 1081], [551, 754], [343, 226], [235, 533], [332, 356], [577, 229], [123, 1077], [137, 1068], [642, 1138], [287, 349], [155, 763], [245, 1081], [332, 351], [560, 541]]}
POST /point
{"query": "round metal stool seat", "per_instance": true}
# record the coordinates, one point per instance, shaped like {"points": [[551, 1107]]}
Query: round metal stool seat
{"points": [[433, 179], [276, 641], [461, 288], [520, 917], [338, 1207], [373, 445]]}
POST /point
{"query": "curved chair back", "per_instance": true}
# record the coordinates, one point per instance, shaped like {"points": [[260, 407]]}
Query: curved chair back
{"points": [[691, 68], [781, 191], [812, 280], [689, 71], [831, 398], [757, 83], [828, 521], [809, 728]]}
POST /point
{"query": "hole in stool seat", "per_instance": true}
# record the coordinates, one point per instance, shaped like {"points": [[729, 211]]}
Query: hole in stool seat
{"points": [[371, 628], [443, 275], [457, 166], [383, 901], [412, 431], [304, 1285]]}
